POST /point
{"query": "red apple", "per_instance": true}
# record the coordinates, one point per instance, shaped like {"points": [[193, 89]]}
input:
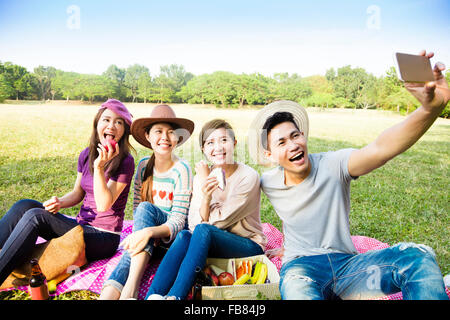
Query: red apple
{"points": [[211, 273], [226, 279], [112, 142], [215, 279]]}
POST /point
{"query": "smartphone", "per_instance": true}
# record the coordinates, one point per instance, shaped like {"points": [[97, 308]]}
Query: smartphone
{"points": [[414, 68]]}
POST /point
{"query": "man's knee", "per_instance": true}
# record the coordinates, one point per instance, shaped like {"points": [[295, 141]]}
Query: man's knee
{"points": [[414, 249], [417, 257], [295, 285]]}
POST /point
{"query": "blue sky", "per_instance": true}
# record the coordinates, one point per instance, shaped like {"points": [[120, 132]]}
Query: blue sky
{"points": [[266, 36]]}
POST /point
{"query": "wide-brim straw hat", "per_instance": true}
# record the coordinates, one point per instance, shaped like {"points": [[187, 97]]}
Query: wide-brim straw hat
{"points": [[162, 113], [255, 146]]}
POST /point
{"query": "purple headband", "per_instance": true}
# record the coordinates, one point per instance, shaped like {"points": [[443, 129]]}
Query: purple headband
{"points": [[119, 108]]}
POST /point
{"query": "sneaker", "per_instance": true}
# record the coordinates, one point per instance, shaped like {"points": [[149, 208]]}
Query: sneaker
{"points": [[155, 296], [171, 298]]}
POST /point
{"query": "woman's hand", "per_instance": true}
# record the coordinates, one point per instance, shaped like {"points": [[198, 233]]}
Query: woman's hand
{"points": [[105, 156], [209, 186], [136, 242], [202, 170], [52, 205]]}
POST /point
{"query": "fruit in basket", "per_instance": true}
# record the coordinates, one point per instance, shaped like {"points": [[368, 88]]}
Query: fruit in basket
{"points": [[216, 269], [209, 271], [215, 279], [245, 266], [226, 279], [256, 272], [243, 279], [262, 274]]}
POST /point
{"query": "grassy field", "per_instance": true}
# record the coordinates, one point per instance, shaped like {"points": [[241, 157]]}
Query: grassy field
{"points": [[406, 200]]}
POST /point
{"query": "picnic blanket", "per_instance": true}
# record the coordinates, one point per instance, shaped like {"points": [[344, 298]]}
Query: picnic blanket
{"points": [[92, 276]]}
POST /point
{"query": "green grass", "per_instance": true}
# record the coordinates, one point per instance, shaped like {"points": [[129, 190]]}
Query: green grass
{"points": [[406, 200]]}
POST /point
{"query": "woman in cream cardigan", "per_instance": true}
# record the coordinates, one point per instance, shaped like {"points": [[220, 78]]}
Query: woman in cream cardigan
{"points": [[223, 223]]}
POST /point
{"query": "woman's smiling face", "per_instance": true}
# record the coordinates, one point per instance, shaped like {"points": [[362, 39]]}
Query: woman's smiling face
{"points": [[110, 126], [162, 138], [219, 147]]}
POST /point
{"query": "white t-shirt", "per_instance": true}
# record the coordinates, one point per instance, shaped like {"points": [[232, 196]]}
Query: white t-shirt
{"points": [[315, 213]]}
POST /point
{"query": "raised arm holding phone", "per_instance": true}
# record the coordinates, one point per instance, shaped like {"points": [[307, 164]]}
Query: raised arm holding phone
{"points": [[311, 195]]}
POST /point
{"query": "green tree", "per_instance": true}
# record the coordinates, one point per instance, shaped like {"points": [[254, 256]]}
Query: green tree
{"points": [[319, 84], [131, 79], [221, 90], [67, 84], [259, 89], [446, 112], [44, 76], [145, 86], [402, 100], [18, 78], [352, 84], [290, 87], [117, 77], [93, 86], [162, 89], [174, 77], [196, 89], [320, 99], [6, 90]]}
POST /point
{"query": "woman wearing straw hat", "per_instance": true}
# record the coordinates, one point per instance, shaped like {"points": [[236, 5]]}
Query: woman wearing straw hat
{"points": [[102, 183], [162, 191]]}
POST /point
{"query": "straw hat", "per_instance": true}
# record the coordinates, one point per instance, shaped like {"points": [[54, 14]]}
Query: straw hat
{"points": [[162, 113], [255, 147]]}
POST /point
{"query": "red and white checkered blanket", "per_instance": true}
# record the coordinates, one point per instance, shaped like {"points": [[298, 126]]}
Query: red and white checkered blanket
{"points": [[94, 274]]}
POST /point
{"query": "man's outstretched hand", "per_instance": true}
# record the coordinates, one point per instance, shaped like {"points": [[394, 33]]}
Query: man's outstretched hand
{"points": [[434, 95]]}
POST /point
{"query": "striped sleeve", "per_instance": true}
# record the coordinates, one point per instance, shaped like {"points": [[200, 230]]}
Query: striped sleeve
{"points": [[181, 199], [138, 181]]}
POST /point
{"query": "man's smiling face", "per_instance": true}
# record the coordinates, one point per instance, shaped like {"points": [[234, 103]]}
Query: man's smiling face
{"points": [[287, 146]]}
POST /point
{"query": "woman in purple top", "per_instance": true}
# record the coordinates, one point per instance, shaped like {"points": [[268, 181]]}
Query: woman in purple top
{"points": [[102, 183]]}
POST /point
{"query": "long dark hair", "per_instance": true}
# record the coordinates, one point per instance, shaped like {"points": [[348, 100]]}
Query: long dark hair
{"points": [[112, 166], [147, 184]]}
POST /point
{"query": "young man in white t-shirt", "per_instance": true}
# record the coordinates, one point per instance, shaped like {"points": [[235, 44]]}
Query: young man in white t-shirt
{"points": [[311, 194]]}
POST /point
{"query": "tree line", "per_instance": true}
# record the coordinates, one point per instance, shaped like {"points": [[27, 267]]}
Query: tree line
{"points": [[345, 87]]}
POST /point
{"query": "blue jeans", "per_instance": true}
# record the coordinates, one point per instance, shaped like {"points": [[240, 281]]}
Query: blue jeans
{"points": [[176, 273], [146, 215], [27, 220], [405, 267]]}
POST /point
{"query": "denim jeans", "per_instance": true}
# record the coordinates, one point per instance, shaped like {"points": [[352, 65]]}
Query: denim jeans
{"points": [[176, 273], [27, 220], [405, 267], [146, 215]]}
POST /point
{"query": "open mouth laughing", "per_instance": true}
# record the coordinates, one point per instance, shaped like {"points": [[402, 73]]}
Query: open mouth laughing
{"points": [[108, 136], [297, 157]]}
